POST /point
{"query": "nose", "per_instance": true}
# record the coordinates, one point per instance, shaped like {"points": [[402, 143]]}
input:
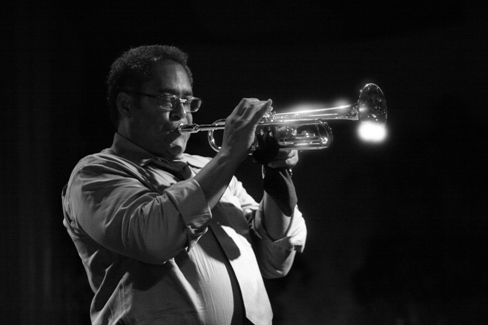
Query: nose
{"points": [[178, 112]]}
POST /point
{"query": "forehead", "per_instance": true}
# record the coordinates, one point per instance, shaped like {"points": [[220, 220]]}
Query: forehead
{"points": [[169, 76]]}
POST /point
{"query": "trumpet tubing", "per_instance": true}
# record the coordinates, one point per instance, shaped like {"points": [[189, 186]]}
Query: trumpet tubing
{"points": [[308, 129]]}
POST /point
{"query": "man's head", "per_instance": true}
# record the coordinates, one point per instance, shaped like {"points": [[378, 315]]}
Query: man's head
{"points": [[135, 67], [136, 79]]}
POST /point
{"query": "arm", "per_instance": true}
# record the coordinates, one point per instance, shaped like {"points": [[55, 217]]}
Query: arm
{"points": [[275, 222], [239, 132], [276, 256], [117, 205], [278, 235], [279, 198]]}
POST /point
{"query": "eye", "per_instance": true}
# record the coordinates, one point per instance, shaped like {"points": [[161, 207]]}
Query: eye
{"points": [[166, 100]]}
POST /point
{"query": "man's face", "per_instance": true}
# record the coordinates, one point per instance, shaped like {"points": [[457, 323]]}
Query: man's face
{"points": [[153, 128]]}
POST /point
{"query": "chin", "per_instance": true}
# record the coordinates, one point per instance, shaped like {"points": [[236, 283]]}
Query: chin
{"points": [[177, 148]]}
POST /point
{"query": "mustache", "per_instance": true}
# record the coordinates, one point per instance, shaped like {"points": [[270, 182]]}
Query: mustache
{"points": [[176, 131], [176, 125]]}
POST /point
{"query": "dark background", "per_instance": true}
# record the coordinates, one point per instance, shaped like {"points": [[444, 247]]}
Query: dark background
{"points": [[397, 231]]}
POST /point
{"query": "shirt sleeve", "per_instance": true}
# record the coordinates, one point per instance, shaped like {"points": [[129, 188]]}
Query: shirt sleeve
{"points": [[116, 205], [275, 257]]}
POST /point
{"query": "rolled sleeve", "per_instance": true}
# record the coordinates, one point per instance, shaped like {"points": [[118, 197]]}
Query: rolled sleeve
{"points": [[195, 214], [276, 256]]}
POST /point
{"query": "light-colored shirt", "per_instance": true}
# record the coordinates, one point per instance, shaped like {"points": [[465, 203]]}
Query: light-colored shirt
{"points": [[155, 253]]}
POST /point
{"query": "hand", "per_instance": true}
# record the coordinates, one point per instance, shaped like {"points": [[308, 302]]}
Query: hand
{"points": [[240, 127], [284, 159]]}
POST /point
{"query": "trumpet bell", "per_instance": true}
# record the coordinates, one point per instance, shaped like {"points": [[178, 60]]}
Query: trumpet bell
{"points": [[372, 114]]}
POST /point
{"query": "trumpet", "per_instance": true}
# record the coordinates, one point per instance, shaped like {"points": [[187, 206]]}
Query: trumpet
{"points": [[308, 129]]}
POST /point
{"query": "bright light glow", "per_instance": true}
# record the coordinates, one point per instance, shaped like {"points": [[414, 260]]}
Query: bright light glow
{"points": [[372, 132], [303, 108], [341, 102]]}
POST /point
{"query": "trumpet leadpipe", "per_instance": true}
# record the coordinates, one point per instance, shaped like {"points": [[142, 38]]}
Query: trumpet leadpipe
{"points": [[194, 128]]}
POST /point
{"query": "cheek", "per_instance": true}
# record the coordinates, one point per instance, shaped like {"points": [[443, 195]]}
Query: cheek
{"points": [[160, 121]]}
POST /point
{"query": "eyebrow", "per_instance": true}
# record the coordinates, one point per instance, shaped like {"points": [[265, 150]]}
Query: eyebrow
{"points": [[173, 92]]}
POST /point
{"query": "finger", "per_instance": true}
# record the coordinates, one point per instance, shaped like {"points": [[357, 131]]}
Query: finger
{"points": [[265, 108], [257, 110], [285, 154], [284, 159], [281, 164], [250, 106], [241, 107]]}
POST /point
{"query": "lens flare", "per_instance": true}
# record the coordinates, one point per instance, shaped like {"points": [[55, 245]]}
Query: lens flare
{"points": [[372, 132]]}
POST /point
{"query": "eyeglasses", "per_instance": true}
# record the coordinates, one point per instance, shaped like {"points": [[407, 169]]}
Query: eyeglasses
{"points": [[170, 102]]}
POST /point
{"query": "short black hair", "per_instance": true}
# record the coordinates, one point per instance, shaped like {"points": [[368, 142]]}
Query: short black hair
{"points": [[135, 66]]}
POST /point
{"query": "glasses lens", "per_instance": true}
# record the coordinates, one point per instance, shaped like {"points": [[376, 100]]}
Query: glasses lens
{"points": [[194, 104], [166, 102], [171, 102]]}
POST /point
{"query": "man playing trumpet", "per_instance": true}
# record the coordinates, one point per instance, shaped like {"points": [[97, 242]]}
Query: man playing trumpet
{"points": [[172, 238]]}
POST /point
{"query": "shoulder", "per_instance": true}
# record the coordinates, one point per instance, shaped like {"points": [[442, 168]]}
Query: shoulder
{"points": [[105, 161]]}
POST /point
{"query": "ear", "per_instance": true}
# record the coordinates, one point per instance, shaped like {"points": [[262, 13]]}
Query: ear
{"points": [[125, 104]]}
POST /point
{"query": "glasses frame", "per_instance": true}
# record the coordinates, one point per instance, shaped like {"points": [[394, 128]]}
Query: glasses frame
{"points": [[175, 101]]}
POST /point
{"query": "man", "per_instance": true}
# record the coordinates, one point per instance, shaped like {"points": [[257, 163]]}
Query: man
{"points": [[167, 237]]}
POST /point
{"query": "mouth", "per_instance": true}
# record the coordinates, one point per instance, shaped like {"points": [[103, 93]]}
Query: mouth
{"points": [[174, 132], [175, 128]]}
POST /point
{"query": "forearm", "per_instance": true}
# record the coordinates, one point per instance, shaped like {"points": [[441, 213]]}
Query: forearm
{"points": [[216, 176], [238, 138], [274, 220]]}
